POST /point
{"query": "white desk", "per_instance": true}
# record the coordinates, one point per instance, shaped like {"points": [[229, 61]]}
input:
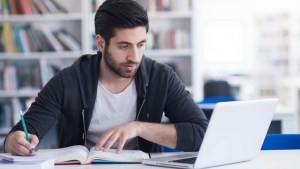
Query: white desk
{"points": [[279, 159]]}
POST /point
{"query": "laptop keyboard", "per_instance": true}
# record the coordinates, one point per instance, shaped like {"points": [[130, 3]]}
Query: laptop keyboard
{"points": [[186, 160]]}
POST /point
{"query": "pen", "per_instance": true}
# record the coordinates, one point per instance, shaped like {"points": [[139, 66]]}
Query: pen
{"points": [[25, 129]]}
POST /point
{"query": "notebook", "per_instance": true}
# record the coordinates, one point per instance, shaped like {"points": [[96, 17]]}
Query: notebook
{"points": [[235, 133], [23, 163]]}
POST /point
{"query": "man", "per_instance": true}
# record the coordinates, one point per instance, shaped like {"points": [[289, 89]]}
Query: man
{"points": [[116, 98]]}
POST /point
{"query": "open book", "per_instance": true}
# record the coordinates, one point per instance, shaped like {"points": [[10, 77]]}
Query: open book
{"points": [[81, 155]]}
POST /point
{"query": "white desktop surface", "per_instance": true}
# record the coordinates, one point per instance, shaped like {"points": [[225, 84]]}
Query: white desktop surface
{"points": [[272, 159]]}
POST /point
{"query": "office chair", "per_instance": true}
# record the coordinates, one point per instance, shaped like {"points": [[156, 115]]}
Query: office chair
{"points": [[217, 88], [215, 91], [281, 142]]}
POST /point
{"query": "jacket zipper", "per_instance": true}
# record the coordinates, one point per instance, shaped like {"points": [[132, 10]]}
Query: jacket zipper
{"points": [[84, 130], [144, 100], [137, 117]]}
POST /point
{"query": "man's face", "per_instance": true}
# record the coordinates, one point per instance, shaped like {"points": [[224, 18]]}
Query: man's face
{"points": [[125, 50]]}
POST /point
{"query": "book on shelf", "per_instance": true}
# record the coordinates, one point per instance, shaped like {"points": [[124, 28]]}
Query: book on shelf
{"points": [[79, 154], [94, 4], [13, 7], [4, 5], [6, 120], [28, 75], [61, 8], [9, 77], [166, 5], [40, 6], [37, 38], [20, 75], [9, 161], [2, 65], [2, 47], [7, 38], [68, 41], [169, 39], [28, 7], [9, 109], [50, 6], [52, 40], [18, 39]]}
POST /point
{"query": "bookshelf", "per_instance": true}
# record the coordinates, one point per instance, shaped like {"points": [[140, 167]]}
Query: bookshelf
{"points": [[26, 69], [171, 42], [41, 65]]}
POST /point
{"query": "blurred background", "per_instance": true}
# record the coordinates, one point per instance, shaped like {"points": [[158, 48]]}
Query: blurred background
{"points": [[240, 49]]}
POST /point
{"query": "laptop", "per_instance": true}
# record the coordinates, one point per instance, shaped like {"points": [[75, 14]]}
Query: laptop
{"points": [[235, 133]]}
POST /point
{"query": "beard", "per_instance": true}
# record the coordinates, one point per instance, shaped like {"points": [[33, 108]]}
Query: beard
{"points": [[119, 69]]}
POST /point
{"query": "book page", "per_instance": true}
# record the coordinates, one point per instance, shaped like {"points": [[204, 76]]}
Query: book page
{"points": [[66, 155], [111, 156]]}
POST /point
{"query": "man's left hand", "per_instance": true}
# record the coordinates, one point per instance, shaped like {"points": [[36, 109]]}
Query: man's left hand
{"points": [[117, 134]]}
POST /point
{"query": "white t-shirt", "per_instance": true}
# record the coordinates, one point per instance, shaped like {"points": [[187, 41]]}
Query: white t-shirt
{"points": [[112, 110]]}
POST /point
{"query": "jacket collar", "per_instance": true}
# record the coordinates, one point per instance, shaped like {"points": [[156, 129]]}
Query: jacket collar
{"points": [[142, 76]]}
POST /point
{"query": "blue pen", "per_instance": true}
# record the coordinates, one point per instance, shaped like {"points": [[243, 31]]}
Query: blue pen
{"points": [[25, 129]]}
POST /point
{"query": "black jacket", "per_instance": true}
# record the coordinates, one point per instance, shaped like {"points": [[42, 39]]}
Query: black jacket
{"points": [[69, 98]]}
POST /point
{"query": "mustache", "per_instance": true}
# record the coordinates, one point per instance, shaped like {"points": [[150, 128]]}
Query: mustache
{"points": [[131, 63]]}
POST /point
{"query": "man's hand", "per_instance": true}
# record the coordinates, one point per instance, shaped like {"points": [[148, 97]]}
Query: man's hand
{"points": [[17, 144], [163, 134], [117, 134]]}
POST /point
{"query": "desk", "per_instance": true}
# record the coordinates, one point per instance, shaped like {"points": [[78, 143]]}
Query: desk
{"points": [[274, 159]]}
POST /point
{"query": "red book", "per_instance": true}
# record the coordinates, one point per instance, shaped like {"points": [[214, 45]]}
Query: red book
{"points": [[26, 6]]}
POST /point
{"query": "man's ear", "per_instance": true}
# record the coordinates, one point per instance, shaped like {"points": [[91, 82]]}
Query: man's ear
{"points": [[100, 43]]}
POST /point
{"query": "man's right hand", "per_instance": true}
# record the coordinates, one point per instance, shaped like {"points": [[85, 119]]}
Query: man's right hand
{"points": [[16, 143]]}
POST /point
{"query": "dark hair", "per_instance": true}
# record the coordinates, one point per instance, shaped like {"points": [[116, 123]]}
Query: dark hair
{"points": [[113, 14]]}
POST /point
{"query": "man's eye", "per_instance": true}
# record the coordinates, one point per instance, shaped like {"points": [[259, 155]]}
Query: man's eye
{"points": [[141, 44], [123, 46]]}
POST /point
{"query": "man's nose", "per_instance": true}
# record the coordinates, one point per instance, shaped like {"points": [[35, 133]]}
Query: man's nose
{"points": [[133, 54]]}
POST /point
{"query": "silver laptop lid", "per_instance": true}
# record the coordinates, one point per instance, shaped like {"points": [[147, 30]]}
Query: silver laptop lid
{"points": [[236, 132]]}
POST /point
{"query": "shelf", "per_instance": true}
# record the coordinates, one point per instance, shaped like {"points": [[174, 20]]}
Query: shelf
{"points": [[40, 55], [41, 18], [170, 15], [165, 53], [168, 52], [19, 93]]}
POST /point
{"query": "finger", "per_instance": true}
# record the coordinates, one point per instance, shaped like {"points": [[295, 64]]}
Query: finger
{"points": [[111, 141], [102, 140], [21, 140], [20, 150], [121, 145], [34, 141]]}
